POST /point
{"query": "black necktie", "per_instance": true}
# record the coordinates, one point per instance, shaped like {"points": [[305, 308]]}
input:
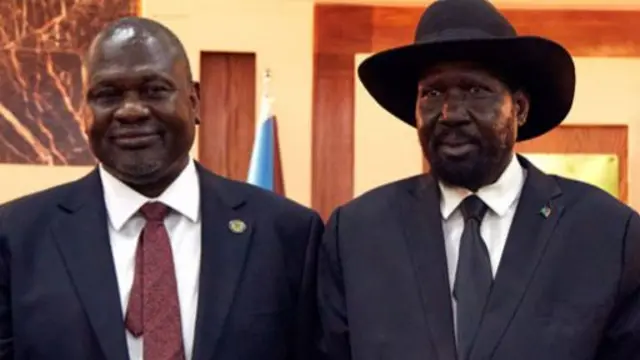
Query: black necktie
{"points": [[473, 277]]}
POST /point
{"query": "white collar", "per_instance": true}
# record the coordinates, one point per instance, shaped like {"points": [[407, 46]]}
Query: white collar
{"points": [[498, 196], [122, 202]]}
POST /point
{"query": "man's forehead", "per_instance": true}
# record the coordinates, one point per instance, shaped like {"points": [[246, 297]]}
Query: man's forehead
{"points": [[130, 42]]}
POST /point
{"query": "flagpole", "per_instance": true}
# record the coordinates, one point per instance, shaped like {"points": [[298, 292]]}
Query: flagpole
{"points": [[266, 85], [266, 100]]}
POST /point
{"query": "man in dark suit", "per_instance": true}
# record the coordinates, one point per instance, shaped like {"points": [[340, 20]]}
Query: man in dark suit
{"points": [[485, 257], [151, 256]]}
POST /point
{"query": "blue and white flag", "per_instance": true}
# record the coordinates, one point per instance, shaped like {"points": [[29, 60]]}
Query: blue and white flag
{"points": [[264, 169]]}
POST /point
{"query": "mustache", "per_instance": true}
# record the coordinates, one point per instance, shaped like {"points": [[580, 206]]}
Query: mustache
{"points": [[454, 134], [132, 131]]}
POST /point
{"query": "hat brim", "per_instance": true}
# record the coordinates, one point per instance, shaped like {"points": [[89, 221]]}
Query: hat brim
{"points": [[542, 67]]}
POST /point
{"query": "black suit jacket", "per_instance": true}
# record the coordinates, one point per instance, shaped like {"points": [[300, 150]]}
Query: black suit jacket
{"points": [[58, 289], [567, 287]]}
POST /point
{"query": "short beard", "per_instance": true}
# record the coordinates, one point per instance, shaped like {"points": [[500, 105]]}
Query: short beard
{"points": [[140, 172], [135, 169], [469, 174], [481, 168]]}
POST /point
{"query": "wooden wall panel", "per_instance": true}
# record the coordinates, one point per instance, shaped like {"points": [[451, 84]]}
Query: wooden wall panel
{"points": [[333, 91], [583, 32], [341, 31], [228, 98]]}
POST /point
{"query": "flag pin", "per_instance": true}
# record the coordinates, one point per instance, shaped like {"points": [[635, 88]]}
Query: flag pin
{"points": [[237, 226], [545, 211]]}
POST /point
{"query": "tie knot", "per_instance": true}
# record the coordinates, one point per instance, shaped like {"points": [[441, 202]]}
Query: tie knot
{"points": [[154, 211], [473, 208]]}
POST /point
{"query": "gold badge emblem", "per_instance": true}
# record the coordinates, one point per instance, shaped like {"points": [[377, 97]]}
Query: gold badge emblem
{"points": [[237, 226]]}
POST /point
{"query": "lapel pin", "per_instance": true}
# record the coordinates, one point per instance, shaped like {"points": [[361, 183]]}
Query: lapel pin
{"points": [[545, 211], [237, 226]]}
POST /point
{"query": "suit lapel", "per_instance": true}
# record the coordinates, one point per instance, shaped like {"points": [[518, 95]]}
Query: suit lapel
{"points": [[539, 209], [83, 240], [422, 225], [224, 250]]}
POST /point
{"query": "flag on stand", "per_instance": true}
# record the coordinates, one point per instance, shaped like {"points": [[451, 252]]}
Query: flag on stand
{"points": [[265, 169]]}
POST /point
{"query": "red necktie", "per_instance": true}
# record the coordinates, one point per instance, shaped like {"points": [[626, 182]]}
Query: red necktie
{"points": [[154, 309]]}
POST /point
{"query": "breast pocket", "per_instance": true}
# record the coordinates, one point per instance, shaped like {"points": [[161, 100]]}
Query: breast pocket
{"points": [[259, 334], [262, 320], [574, 319]]}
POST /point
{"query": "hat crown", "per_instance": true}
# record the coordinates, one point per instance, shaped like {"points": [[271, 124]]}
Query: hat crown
{"points": [[460, 20], [474, 31]]}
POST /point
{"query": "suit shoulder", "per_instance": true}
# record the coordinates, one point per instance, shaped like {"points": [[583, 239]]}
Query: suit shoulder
{"points": [[280, 219], [268, 202], [22, 217], [377, 201], [579, 193], [36, 201]]}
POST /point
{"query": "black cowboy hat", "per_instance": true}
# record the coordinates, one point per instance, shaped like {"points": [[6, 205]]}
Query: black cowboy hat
{"points": [[475, 31]]}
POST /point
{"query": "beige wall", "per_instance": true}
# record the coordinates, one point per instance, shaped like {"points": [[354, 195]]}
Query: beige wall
{"points": [[280, 32]]}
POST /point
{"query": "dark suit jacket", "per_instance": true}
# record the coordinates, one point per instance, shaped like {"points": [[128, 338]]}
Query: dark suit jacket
{"points": [[58, 290], [568, 285]]}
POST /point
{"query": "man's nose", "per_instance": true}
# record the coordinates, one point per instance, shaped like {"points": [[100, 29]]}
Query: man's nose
{"points": [[132, 110], [453, 110]]}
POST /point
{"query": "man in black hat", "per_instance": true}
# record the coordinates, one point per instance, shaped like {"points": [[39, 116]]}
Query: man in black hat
{"points": [[485, 257]]}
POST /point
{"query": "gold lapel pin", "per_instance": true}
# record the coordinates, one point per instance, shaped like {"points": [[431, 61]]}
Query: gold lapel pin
{"points": [[237, 226]]}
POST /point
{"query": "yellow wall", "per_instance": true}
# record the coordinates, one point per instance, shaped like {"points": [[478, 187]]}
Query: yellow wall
{"points": [[280, 32]]}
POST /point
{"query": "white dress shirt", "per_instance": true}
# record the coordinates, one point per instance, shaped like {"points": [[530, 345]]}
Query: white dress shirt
{"points": [[183, 226], [501, 198]]}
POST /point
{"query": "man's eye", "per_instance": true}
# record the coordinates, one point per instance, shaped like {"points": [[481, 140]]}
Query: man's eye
{"points": [[478, 90], [103, 95], [429, 93], [156, 91]]}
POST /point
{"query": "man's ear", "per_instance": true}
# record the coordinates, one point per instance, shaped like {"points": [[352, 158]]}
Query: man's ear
{"points": [[417, 113], [195, 100], [521, 105], [87, 118]]}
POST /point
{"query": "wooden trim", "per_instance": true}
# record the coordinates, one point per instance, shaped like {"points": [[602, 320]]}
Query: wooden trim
{"points": [[228, 96], [278, 179], [342, 31]]}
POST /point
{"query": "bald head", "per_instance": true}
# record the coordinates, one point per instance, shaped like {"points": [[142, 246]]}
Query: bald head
{"points": [[137, 31]]}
